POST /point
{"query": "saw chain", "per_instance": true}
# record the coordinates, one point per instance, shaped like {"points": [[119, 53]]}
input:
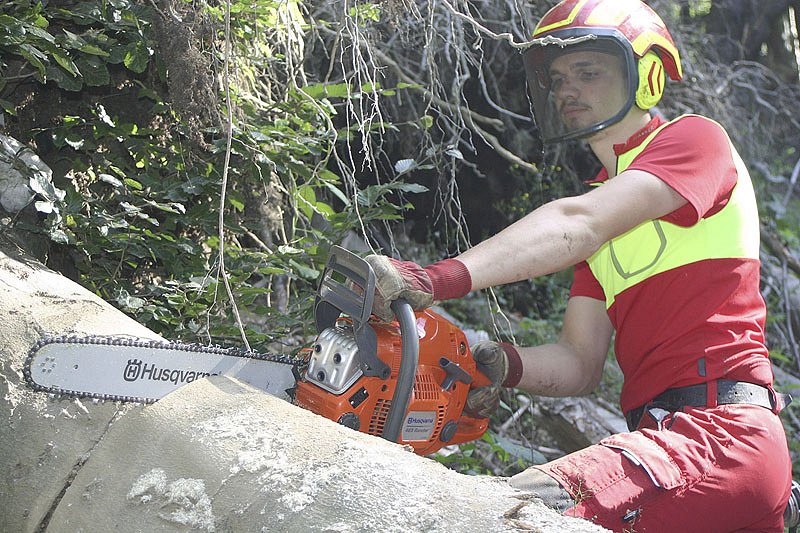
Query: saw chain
{"points": [[143, 371]]}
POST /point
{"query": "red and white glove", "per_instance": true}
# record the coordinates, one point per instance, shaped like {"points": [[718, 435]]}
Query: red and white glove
{"points": [[420, 287], [501, 363]]}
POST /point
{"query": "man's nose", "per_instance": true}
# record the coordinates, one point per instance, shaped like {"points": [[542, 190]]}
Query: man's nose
{"points": [[567, 88]]}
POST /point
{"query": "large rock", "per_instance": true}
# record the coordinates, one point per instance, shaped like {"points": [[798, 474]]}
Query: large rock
{"points": [[216, 455]]}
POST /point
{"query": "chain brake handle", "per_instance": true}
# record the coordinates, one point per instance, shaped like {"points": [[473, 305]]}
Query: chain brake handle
{"points": [[347, 286]]}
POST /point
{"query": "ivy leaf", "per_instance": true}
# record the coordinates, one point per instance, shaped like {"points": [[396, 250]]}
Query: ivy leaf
{"points": [[8, 107], [63, 79], [41, 22], [289, 250], [12, 31], [306, 198], [324, 209], [94, 70], [133, 184], [93, 50], [237, 204], [337, 192], [65, 62], [128, 301], [129, 208], [59, 236], [414, 188], [72, 41], [332, 90], [304, 271], [117, 53], [40, 183], [137, 57], [403, 85], [40, 33], [111, 180], [35, 57], [45, 207]]}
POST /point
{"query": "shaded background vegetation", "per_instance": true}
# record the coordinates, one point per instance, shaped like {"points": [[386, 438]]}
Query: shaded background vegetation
{"points": [[206, 154]]}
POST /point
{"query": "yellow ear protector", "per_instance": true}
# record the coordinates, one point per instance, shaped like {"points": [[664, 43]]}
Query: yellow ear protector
{"points": [[651, 80]]}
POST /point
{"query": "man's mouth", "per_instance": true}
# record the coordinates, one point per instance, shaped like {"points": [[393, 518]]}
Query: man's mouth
{"points": [[570, 110]]}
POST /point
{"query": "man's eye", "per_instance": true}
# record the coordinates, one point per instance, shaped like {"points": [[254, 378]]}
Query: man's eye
{"points": [[589, 75], [555, 83]]}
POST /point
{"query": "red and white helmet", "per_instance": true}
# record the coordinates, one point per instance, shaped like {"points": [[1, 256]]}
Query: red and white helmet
{"points": [[628, 29]]}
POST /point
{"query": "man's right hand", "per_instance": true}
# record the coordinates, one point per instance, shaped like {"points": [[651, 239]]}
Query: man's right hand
{"points": [[502, 365], [417, 285]]}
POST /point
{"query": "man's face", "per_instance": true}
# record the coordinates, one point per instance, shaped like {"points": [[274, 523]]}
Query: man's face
{"points": [[587, 87]]}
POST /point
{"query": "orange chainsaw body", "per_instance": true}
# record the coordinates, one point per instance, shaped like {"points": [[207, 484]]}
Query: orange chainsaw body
{"points": [[445, 373]]}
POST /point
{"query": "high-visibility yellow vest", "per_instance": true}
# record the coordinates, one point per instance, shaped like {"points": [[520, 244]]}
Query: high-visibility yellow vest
{"points": [[657, 246]]}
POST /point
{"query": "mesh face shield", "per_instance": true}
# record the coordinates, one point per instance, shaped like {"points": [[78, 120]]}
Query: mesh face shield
{"points": [[580, 82]]}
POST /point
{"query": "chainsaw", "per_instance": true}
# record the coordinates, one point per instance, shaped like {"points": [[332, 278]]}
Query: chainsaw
{"points": [[406, 381]]}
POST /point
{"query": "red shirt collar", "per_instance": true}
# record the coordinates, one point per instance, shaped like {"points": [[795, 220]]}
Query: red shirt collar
{"points": [[638, 138], [635, 140]]}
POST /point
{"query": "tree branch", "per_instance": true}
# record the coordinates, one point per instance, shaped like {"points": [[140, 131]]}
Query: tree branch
{"points": [[402, 76], [779, 249]]}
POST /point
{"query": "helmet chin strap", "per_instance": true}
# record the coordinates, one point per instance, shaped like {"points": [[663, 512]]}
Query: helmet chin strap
{"points": [[651, 80]]}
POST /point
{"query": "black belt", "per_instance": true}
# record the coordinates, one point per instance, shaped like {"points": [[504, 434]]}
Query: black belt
{"points": [[728, 392]]}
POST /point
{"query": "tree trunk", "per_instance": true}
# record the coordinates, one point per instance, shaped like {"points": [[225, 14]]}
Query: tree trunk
{"points": [[742, 26], [216, 455]]}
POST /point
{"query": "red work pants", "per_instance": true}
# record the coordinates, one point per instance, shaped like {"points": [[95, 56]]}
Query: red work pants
{"points": [[720, 469]]}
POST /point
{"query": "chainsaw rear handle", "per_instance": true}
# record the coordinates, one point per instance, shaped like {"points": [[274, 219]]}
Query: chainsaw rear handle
{"points": [[480, 380], [408, 369]]}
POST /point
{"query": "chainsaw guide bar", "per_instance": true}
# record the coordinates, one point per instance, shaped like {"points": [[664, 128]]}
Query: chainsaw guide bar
{"points": [[143, 371]]}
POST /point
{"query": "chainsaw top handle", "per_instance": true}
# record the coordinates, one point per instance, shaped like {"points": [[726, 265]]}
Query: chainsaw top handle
{"points": [[406, 375]]}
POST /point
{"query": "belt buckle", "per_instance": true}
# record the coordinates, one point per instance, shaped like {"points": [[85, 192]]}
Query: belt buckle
{"points": [[659, 415]]}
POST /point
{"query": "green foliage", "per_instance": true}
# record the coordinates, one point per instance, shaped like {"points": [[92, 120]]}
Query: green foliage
{"points": [[74, 47], [141, 210], [481, 456], [698, 8], [366, 12]]}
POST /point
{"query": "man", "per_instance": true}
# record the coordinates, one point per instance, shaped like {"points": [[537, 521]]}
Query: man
{"points": [[665, 251]]}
